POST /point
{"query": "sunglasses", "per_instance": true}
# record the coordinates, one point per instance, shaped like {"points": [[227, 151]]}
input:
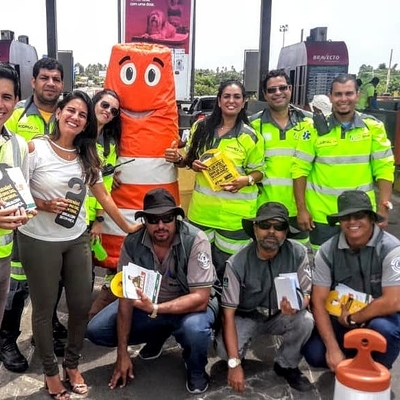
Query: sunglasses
{"points": [[105, 105], [357, 216], [281, 88], [278, 226], [155, 219]]}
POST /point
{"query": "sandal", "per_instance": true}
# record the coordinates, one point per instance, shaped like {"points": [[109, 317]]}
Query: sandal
{"points": [[61, 395], [78, 388]]}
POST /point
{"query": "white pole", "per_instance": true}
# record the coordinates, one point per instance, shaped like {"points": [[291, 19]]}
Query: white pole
{"points": [[388, 73]]}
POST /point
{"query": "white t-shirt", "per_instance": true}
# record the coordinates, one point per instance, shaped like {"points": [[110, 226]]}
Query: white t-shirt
{"points": [[49, 176]]}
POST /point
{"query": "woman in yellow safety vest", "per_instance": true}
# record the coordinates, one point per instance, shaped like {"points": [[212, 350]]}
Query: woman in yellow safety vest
{"points": [[219, 212], [106, 108]]}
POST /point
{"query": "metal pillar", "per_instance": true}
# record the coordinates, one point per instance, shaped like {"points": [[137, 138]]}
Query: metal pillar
{"points": [[265, 42], [193, 42], [51, 20]]}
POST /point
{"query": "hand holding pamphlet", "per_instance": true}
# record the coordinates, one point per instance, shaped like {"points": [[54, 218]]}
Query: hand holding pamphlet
{"points": [[220, 169], [345, 295], [287, 285], [132, 277]]}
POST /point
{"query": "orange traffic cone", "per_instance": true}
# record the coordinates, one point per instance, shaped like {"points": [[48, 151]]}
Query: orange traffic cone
{"points": [[361, 378]]}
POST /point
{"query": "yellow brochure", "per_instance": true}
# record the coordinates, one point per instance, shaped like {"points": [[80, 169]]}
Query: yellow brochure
{"points": [[220, 169]]}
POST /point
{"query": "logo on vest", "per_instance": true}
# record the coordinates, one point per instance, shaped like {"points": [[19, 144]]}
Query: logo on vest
{"points": [[306, 135], [204, 260], [395, 264]]}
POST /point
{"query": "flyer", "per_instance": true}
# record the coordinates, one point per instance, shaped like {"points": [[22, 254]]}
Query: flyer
{"points": [[14, 191], [220, 169]]}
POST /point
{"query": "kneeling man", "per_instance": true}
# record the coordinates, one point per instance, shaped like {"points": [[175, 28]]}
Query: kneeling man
{"points": [[182, 254], [366, 259]]}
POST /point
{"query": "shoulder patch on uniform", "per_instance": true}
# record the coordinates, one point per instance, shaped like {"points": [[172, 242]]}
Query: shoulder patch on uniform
{"points": [[395, 264], [225, 282], [203, 260]]}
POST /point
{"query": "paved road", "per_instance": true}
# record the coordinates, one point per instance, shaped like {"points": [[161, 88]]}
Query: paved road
{"points": [[165, 378]]}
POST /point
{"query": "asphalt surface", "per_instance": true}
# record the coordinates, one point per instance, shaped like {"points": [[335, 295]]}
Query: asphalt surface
{"points": [[164, 378]]}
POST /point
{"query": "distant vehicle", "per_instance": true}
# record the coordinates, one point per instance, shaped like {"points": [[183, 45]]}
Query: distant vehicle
{"points": [[200, 108]]}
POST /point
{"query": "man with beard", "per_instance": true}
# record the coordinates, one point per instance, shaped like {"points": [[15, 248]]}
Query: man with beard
{"points": [[346, 150], [182, 254], [31, 117], [281, 126], [249, 300]]}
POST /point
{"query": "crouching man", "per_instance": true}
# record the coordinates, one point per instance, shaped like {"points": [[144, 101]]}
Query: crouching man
{"points": [[367, 259], [249, 301], [182, 254]]}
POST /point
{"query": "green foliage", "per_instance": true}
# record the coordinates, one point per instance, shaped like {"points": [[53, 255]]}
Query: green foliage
{"points": [[367, 72], [207, 81]]}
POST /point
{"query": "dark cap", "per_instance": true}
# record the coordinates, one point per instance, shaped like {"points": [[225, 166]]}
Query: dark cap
{"points": [[270, 210], [350, 202], [159, 202]]}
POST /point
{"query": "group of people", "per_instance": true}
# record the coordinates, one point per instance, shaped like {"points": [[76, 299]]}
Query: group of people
{"points": [[295, 189], [295, 186]]}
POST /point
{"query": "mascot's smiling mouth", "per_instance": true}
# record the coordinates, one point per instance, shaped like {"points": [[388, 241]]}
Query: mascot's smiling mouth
{"points": [[136, 114]]}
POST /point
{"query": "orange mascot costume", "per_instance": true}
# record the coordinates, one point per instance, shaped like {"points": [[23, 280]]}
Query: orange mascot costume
{"points": [[142, 75]]}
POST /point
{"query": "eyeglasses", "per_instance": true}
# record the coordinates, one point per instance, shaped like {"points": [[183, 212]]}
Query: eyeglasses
{"points": [[105, 105], [357, 216], [155, 219], [281, 88], [265, 225]]}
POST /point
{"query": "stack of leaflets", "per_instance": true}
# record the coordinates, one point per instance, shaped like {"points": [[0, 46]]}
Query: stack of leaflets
{"points": [[220, 169], [352, 299], [287, 285], [14, 191], [134, 276]]}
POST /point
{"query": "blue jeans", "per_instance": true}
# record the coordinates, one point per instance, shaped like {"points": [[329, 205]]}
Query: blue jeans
{"points": [[389, 327], [192, 331]]}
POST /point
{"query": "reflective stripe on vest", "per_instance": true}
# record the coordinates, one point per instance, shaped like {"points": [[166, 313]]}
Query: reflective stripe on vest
{"points": [[230, 246], [223, 194], [6, 243], [17, 271], [336, 192]]}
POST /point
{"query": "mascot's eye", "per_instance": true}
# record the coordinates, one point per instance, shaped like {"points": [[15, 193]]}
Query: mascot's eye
{"points": [[152, 75], [128, 73]]}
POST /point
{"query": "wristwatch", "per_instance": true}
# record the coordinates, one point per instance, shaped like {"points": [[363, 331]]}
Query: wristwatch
{"points": [[155, 310], [351, 323], [234, 362], [388, 204], [100, 218], [251, 180]]}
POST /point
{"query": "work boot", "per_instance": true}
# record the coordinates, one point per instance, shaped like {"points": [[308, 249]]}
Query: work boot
{"points": [[12, 358], [103, 299]]}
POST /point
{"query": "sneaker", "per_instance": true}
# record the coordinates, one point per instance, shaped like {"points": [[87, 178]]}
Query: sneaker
{"points": [[294, 378], [197, 383], [151, 351]]}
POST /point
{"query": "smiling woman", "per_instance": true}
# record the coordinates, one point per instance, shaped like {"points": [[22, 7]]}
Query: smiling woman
{"points": [[219, 212], [61, 167]]}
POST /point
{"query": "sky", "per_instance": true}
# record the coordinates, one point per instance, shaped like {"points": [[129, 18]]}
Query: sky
{"points": [[224, 28]]}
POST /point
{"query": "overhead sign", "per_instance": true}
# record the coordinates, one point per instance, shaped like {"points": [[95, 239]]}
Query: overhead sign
{"points": [[165, 22]]}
